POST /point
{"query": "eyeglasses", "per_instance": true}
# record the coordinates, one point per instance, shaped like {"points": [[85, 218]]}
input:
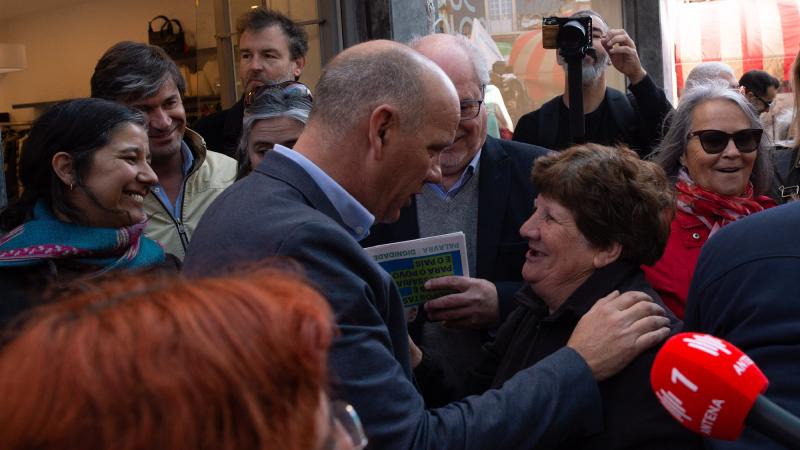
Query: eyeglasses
{"points": [[471, 108], [288, 88], [715, 141], [344, 419]]}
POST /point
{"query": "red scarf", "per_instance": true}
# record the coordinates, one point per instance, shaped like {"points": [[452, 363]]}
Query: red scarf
{"points": [[716, 210]]}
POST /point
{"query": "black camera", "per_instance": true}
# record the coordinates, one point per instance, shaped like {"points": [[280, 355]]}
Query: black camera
{"points": [[573, 39], [569, 35]]}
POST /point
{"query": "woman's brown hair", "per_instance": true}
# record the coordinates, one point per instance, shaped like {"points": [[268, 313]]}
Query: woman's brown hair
{"points": [[613, 196]]}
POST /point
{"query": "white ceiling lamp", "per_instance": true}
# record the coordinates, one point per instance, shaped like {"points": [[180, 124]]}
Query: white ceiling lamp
{"points": [[12, 58]]}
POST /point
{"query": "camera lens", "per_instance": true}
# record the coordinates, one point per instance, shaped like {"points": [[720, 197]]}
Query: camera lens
{"points": [[572, 35]]}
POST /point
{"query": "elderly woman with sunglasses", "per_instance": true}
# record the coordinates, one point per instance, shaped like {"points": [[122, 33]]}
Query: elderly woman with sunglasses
{"points": [[718, 157], [273, 114]]}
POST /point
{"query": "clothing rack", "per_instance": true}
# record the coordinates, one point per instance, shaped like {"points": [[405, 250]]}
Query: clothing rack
{"points": [[12, 136]]}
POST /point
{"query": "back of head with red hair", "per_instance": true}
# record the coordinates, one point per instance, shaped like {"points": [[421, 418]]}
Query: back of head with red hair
{"points": [[152, 363]]}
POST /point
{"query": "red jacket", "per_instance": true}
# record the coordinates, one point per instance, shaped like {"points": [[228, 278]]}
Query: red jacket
{"points": [[672, 274]]}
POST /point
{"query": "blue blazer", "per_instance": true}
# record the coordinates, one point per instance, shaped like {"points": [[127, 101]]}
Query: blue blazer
{"points": [[744, 290], [278, 210]]}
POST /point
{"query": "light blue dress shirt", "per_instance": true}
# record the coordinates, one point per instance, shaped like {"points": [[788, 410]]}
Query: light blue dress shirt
{"points": [[174, 209], [439, 190], [354, 215]]}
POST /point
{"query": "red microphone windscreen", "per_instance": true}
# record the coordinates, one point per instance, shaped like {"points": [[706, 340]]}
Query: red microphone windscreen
{"points": [[706, 384]]}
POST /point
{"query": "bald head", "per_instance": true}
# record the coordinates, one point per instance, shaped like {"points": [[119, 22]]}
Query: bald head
{"points": [[371, 74], [453, 51], [711, 72], [382, 115]]}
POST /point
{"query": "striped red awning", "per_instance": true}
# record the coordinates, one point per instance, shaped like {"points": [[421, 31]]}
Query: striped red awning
{"points": [[745, 34], [536, 67]]}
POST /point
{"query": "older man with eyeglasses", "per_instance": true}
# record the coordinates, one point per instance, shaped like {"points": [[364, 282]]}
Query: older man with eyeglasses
{"points": [[485, 192]]}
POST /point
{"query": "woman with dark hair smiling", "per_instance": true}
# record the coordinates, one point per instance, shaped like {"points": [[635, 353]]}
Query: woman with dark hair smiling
{"points": [[85, 172]]}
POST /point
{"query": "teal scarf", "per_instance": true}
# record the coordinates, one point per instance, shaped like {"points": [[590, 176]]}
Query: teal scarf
{"points": [[44, 237]]}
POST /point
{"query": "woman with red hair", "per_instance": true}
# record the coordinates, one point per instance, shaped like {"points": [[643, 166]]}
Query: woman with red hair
{"points": [[150, 362]]}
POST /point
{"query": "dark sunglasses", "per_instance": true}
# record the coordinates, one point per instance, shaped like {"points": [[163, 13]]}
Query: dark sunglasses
{"points": [[767, 104], [715, 141], [289, 88]]}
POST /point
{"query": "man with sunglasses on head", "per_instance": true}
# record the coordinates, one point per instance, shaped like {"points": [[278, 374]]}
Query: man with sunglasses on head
{"points": [[272, 49], [479, 173], [611, 117], [368, 147], [189, 176], [760, 88]]}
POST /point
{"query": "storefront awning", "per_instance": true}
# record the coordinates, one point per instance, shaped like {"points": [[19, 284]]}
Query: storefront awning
{"points": [[745, 34], [536, 67]]}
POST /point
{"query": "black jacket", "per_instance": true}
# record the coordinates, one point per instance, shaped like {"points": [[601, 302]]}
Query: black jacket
{"points": [[25, 287], [636, 119], [633, 418], [222, 129], [21, 288]]}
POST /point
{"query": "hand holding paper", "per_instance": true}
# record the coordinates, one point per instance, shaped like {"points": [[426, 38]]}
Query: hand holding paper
{"points": [[473, 306]]}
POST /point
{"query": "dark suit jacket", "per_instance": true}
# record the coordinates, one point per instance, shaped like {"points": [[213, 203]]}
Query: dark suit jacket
{"points": [[744, 290], [280, 210], [222, 129], [505, 201]]}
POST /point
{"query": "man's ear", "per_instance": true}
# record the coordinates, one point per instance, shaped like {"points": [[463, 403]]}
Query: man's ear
{"points": [[299, 64], [64, 168], [607, 255], [381, 122]]}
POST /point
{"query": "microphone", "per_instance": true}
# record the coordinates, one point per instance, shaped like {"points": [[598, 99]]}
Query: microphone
{"points": [[714, 389]]}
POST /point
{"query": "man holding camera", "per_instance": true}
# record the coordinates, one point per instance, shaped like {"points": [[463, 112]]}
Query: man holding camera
{"points": [[610, 116]]}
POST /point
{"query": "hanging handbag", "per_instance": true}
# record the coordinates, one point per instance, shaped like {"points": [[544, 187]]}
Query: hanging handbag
{"points": [[169, 36]]}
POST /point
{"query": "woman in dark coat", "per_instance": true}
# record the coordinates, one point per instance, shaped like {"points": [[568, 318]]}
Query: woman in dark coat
{"points": [[601, 212], [85, 172]]}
